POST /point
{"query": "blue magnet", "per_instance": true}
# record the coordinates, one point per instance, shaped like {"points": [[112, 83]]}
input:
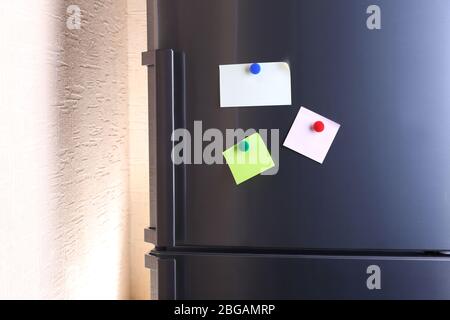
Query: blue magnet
{"points": [[244, 146], [255, 68]]}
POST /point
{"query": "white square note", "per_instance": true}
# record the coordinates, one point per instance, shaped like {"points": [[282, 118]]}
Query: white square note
{"points": [[311, 135], [258, 84]]}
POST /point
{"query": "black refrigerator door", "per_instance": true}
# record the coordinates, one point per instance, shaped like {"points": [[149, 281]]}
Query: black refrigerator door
{"points": [[244, 276], [385, 183]]}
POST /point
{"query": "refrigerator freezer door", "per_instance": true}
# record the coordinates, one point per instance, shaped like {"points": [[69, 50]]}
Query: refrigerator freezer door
{"points": [[243, 276], [385, 183]]}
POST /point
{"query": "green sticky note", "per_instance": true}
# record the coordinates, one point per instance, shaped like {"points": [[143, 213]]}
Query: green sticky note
{"points": [[248, 158]]}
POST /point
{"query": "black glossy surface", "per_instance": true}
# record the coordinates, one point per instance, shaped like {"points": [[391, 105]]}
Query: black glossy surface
{"points": [[385, 183], [251, 276]]}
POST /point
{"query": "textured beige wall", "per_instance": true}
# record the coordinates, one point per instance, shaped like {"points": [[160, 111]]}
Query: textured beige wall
{"points": [[138, 135], [64, 229]]}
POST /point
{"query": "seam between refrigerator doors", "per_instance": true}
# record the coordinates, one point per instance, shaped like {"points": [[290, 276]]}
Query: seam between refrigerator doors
{"points": [[172, 254]]}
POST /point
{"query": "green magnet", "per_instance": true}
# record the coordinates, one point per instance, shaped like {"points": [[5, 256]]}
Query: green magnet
{"points": [[244, 146]]}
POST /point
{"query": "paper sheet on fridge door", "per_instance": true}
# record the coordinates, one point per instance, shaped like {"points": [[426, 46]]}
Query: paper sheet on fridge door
{"points": [[302, 139], [270, 87]]}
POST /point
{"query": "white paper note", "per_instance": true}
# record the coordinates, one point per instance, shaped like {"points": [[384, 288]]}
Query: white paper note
{"points": [[270, 87], [302, 137]]}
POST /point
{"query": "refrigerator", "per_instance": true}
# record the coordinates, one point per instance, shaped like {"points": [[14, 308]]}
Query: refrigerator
{"points": [[370, 222]]}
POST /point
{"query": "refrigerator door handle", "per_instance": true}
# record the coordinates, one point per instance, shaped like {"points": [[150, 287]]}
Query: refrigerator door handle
{"points": [[148, 58], [166, 113], [163, 277]]}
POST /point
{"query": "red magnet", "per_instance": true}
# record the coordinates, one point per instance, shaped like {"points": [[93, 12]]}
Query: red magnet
{"points": [[318, 126]]}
